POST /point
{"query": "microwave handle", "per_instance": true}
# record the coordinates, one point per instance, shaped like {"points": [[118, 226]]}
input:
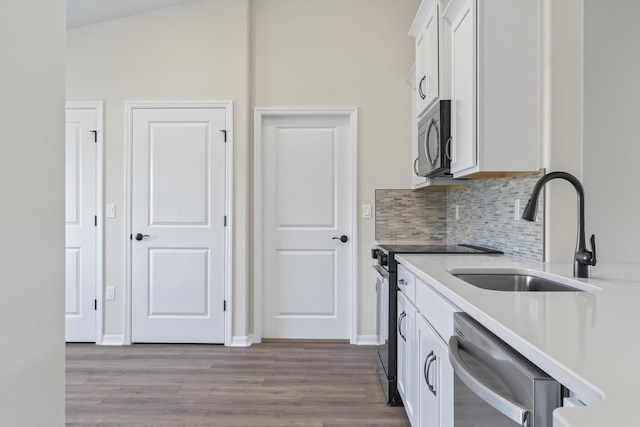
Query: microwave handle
{"points": [[507, 407], [433, 159]]}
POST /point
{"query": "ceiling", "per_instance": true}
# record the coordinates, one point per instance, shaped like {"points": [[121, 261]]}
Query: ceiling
{"points": [[85, 12]]}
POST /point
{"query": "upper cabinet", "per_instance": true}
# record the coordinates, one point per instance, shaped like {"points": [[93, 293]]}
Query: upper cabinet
{"points": [[417, 181], [495, 74], [425, 29]]}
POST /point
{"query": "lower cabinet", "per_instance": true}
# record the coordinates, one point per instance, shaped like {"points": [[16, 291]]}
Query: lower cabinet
{"points": [[407, 383], [435, 404], [425, 376]]}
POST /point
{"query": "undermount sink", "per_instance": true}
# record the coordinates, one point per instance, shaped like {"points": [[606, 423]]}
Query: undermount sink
{"points": [[519, 280]]}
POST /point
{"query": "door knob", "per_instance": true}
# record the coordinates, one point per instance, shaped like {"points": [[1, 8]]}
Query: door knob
{"points": [[141, 236], [343, 238]]}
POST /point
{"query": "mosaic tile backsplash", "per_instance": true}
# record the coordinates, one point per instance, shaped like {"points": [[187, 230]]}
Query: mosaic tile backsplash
{"points": [[486, 216], [411, 216]]}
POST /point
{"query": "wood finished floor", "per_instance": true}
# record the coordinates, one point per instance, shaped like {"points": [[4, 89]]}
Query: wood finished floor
{"points": [[275, 384]]}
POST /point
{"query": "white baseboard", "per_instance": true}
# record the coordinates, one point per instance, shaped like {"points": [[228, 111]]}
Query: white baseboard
{"points": [[368, 340], [112, 340], [242, 341]]}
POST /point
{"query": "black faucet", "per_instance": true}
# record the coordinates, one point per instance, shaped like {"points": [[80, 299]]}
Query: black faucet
{"points": [[583, 258]]}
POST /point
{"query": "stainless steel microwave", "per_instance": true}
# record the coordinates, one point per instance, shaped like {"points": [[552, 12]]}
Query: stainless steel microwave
{"points": [[434, 141]]}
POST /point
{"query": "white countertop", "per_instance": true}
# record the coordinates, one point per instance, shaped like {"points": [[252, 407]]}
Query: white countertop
{"points": [[588, 341]]}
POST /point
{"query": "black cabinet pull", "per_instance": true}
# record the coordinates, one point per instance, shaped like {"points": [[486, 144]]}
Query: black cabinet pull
{"points": [[400, 319], [420, 91], [427, 366]]}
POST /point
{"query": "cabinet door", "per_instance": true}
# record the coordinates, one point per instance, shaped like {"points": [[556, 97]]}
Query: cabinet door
{"points": [[401, 332], [428, 407], [406, 355], [462, 19], [421, 73], [427, 69], [435, 374], [445, 378], [417, 181]]}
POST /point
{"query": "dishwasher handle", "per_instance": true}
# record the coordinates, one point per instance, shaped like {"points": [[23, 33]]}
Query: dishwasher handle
{"points": [[506, 406]]}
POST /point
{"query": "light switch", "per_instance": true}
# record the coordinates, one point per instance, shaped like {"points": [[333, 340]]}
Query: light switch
{"points": [[366, 211], [111, 211], [111, 293]]}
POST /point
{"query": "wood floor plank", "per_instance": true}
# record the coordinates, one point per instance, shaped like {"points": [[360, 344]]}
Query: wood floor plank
{"points": [[275, 384]]}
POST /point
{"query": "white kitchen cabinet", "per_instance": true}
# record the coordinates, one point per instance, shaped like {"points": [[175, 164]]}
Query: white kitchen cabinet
{"points": [[425, 29], [406, 355], [425, 377], [435, 376], [495, 74], [417, 181]]}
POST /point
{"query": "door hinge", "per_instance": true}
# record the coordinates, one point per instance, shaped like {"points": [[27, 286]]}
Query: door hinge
{"points": [[224, 131], [225, 220], [95, 220], [95, 135], [224, 305], [95, 304]]}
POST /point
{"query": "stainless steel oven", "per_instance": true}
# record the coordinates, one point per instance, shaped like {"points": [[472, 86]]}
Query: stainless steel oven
{"points": [[386, 268], [382, 298], [495, 385], [434, 141]]}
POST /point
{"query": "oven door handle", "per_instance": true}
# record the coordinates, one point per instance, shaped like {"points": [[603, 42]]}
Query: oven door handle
{"points": [[384, 274], [506, 406]]}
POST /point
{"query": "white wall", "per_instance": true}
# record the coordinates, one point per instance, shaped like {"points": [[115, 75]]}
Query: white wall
{"points": [[197, 51], [336, 53], [32, 212], [352, 53], [562, 122], [611, 131], [592, 111]]}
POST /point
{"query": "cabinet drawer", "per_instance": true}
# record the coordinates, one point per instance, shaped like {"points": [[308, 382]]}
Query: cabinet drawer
{"points": [[436, 309], [407, 283]]}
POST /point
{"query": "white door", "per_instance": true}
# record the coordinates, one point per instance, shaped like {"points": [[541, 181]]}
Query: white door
{"points": [[307, 207], [178, 213], [80, 224]]}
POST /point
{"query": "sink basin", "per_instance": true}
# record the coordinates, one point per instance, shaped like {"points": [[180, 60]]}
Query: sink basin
{"points": [[519, 280]]}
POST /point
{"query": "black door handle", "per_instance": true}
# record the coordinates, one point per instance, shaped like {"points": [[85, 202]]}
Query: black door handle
{"points": [[141, 236], [343, 238]]}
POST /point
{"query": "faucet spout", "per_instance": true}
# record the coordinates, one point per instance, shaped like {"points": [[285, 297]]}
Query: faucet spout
{"points": [[583, 258]]}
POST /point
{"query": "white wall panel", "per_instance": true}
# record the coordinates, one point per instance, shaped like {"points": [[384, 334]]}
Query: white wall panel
{"points": [[178, 282], [302, 291], [72, 281], [178, 162], [71, 170], [310, 200]]}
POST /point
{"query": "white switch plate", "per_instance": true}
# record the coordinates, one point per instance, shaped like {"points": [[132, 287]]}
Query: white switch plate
{"points": [[366, 211], [111, 210], [516, 209], [111, 293]]}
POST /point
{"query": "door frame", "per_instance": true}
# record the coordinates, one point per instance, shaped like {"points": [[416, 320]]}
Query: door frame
{"points": [[260, 114], [98, 106], [130, 107]]}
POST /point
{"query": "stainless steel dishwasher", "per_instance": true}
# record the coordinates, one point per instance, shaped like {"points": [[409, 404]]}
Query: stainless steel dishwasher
{"points": [[495, 386]]}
